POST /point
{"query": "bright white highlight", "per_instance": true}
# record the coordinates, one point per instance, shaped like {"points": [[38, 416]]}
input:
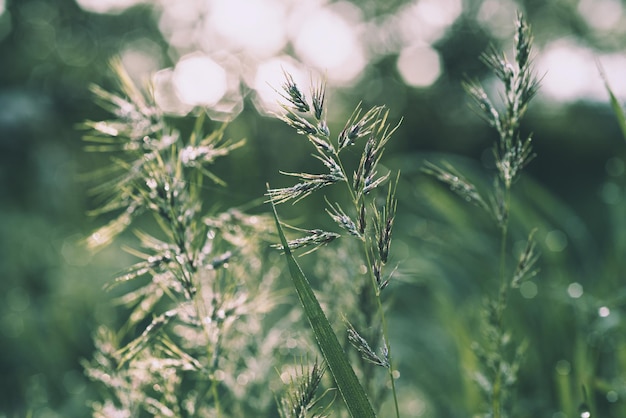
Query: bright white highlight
{"points": [[427, 20], [257, 26], [604, 311], [199, 80], [107, 6], [419, 66], [601, 14], [575, 290], [327, 42], [141, 59], [571, 72], [496, 16], [568, 68], [268, 81], [165, 94]]}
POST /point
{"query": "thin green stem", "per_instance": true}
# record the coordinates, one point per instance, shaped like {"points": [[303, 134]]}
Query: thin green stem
{"points": [[376, 289], [390, 369], [496, 395], [345, 176], [218, 409], [383, 325]]}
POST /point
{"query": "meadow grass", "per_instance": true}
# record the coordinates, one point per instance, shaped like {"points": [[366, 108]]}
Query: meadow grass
{"points": [[210, 327]]}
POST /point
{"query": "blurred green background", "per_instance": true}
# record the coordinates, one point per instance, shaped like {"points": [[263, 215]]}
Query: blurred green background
{"points": [[409, 55]]}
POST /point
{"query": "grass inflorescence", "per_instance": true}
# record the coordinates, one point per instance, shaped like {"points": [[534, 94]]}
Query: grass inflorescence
{"points": [[512, 152], [366, 218], [197, 297]]}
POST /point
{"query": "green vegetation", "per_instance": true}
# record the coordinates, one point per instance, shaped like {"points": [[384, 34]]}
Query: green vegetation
{"points": [[318, 268], [202, 337]]}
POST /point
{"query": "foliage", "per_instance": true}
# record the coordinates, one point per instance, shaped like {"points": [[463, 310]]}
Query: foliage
{"points": [[369, 222], [197, 298], [208, 329], [499, 366]]}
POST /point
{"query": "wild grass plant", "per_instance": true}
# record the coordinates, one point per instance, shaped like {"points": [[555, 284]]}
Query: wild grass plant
{"points": [[195, 341], [210, 325], [367, 219], [499, 354]]}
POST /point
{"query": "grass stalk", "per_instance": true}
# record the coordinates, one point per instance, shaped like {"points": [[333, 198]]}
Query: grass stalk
{"points": [[372, 226], [511, 154], [349, 387]]}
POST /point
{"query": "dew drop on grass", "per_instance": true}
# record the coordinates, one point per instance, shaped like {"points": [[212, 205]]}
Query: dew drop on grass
{"points": [[584, 411]]}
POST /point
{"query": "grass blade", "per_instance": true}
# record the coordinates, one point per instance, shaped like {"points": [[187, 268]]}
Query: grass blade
{"points": [[351, 390], [617, 108]]}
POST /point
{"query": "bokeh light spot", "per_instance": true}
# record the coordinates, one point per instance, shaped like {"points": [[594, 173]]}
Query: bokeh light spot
{"points": [[496, 16], [419, 66], [199, 80], [427, 20], [327, 42], [571, 72], [107, 6], [575, 290], [611, 193], [77, 48], [568, 68], [604, 311], [441, 13], [556, 240], [141, 58], [165, 94], [528, 290], [258, 26], [601, 14], [268, 80], [612, 396]]}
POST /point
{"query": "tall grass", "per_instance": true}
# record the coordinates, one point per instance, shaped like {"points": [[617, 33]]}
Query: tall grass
{"points": [[197, 298], [210, 326], [366, 220], [512, 153]]}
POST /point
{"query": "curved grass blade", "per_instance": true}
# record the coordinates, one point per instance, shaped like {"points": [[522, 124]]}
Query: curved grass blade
{"points": [[617, 108], [351, 390]]}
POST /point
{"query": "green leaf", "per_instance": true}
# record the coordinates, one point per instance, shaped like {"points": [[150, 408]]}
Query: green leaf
{"points": [[351, 390], [617, 108]]}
